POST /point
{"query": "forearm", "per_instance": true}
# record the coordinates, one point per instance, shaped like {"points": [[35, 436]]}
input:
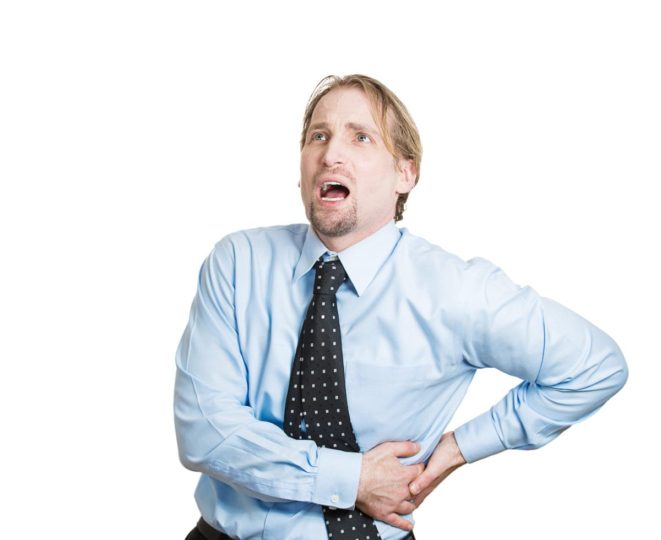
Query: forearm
{"points": [[569, 366], [222, 439], [218, 432]]}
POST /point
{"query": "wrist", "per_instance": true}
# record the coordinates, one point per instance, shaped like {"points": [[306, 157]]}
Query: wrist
{"points": [[362, 478], [456, 457], [337, 478]]}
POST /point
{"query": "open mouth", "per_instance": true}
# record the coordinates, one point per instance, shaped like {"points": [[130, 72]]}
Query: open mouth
{"points": [[333, 191]]}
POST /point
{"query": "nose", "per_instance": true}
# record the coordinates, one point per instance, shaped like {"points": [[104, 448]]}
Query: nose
{"points": [[334, 152]]}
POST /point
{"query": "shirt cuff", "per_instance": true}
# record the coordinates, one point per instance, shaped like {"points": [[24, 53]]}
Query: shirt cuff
{"points": [[478, 438], [337, 478]]}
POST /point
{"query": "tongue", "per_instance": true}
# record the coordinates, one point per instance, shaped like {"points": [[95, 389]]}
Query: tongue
{"points": [[335, 192]]}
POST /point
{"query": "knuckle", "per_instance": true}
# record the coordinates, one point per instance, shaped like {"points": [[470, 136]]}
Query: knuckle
{"points": [[421, 481], [395, 520]]}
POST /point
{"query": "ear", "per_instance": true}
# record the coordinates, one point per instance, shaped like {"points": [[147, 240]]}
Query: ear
{"points": [[406, 175]]}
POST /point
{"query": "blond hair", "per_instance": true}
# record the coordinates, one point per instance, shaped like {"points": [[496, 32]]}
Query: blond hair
{"points": [[402, 139]]}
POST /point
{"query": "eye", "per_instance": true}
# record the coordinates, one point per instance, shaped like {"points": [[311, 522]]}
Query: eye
{"points": [[362, 137], [318, 136]]}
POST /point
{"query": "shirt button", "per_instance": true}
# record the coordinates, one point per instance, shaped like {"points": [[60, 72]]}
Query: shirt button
{"points": [[334, 498]]}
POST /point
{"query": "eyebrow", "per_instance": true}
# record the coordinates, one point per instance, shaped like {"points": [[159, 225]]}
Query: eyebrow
{"points": [[351, 125]]}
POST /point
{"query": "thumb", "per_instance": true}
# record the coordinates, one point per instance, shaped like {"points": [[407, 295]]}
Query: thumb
{"points": [[423, 481], [404, 448]]}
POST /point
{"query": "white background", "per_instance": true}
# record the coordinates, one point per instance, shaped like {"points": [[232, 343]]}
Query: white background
{"points": [[135, 134]]}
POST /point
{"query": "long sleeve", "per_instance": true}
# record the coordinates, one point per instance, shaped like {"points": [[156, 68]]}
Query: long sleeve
{"points": [[217, 431], [569, 367]]}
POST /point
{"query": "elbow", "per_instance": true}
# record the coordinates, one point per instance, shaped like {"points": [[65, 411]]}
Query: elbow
{"points": [[196, 444], [188, 457], [195, 454], [189, 461], [614, 371], [196, 435], [186, 460], [620, 370], [189, 453]]}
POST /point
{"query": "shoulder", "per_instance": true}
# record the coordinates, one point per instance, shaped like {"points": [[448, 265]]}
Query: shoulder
{"points": [[260, 242], [431, 259], [476, 285]]}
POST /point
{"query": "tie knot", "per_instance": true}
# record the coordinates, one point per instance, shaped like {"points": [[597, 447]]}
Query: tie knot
{"points": [[329, 276]]}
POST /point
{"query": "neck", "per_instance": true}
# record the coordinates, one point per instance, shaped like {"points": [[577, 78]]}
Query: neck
{"points": [[340, 243]]}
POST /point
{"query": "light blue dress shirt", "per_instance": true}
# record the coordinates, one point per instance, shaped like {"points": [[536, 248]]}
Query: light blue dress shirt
{"points": [[416, 322]]}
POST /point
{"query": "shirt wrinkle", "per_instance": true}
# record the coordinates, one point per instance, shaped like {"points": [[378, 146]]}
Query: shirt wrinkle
{"points": [[415, 326]]}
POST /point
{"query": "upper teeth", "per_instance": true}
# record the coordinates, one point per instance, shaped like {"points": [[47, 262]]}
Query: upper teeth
{"points": [[328, 184]]}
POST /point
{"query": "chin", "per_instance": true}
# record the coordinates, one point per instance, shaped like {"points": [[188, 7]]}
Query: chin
{"points": [[332, 225]]}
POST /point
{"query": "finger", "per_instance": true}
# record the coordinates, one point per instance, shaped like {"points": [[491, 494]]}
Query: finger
{"points": [[419, 468], [414, 471], [419, 499], [398, 521], [406, 507], [423, 481], [403, 448]]}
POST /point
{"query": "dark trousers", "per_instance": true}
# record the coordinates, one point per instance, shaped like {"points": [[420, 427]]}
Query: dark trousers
{"points": [[204, 531]]}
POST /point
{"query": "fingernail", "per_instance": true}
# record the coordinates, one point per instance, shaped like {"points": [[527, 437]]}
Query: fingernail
{"points": [[414, 489]]}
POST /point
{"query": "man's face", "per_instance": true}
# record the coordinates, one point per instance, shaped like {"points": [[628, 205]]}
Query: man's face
{"points": [[349, 180]]}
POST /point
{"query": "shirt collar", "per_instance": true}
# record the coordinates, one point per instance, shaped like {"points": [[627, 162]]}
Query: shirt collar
{"points": [[361, 261]]}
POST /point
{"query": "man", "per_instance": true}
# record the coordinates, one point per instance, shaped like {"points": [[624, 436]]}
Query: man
{"points": [[410, 324]]}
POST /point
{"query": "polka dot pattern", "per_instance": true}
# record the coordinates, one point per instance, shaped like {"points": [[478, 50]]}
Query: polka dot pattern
{"points": [[316, 407]]}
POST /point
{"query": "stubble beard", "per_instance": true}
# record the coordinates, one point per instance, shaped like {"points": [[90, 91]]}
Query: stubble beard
{"points": [[334, 223]]}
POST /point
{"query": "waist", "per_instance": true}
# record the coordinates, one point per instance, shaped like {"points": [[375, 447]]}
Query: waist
{"points": [[245, 517], [210, 533]]}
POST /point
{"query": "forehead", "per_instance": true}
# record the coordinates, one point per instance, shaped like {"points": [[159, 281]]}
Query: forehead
{"points": [[345, 104]]}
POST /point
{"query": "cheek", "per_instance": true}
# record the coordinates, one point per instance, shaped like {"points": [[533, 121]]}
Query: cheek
{"points": [[308, 166], [306, 190], [381, 179]]}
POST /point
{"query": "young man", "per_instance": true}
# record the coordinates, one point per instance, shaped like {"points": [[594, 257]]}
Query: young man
{"points": [[322, 362]]}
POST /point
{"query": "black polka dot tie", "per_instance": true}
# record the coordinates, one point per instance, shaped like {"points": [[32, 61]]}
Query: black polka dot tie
{"points": [[316, 405]]}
